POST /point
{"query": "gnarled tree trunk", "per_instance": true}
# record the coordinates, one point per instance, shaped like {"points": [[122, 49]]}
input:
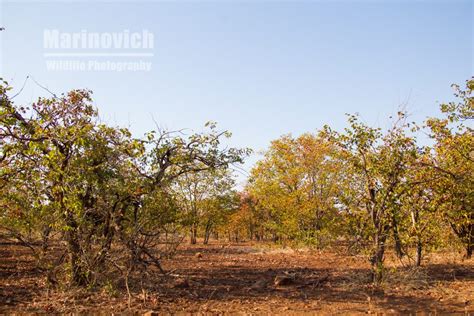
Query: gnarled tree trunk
{"points": [[193, 234]]}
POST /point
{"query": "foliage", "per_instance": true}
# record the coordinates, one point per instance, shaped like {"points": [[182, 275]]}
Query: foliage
{"points": [[369, 187], [118, 204], [205, 200], [103, 193], [453, 162], [294, 187]]}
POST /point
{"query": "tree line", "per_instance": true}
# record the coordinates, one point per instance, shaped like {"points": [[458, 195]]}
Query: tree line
{"points": [[371, 187], [91, 201]]}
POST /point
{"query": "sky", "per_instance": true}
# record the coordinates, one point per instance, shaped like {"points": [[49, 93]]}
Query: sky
{"points": [[260, 69]]}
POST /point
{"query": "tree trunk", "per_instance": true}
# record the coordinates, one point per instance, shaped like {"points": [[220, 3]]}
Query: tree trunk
{"points": [[207, 232], [398, 242], [418, 252], [470, 240], [275, 237], [78, 275], [252, 232], [378, 256], [45, 239], [466, 234], [469, 251], [193, 235]]}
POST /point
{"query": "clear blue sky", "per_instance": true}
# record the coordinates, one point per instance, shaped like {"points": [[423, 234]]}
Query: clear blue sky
{"points": [[259, 68]]}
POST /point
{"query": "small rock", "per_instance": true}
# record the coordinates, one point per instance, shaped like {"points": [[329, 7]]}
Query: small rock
{"points": [[198, 255], [181, 284], [150, 313], [283, 280]]}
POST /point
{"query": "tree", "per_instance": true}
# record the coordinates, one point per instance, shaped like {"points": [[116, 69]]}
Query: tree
{"points": [[204, 199], [420, 220], [453, 161], [377, 164], [105, 193], [295, 185]]}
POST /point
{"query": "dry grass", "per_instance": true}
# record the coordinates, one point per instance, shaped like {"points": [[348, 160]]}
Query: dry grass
{"points": [[239, 278]]}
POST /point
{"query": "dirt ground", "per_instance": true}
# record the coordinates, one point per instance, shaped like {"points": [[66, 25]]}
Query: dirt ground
{"points": [[245, 278]]}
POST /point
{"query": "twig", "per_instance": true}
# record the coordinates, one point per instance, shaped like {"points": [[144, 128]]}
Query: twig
{"points": [[21, 89]]}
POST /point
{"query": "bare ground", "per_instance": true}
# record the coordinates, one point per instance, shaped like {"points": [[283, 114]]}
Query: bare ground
{"points": [[245, 278]]}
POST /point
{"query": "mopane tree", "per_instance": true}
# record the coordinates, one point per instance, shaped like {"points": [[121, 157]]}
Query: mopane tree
{"points": [[295, 185], [421, 224], [98, 190], [377, 164], [204, 199], [453, 161]]}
